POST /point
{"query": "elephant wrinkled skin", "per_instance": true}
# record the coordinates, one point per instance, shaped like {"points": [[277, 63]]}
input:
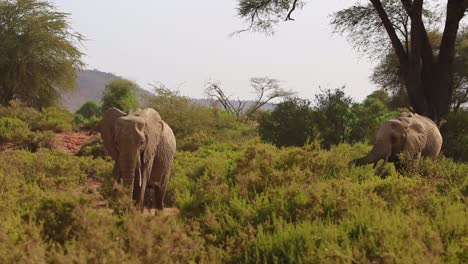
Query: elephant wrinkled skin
{"points": [[143, 148], [411, 134]]}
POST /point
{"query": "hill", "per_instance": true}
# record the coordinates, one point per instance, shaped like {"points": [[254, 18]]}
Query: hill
{"points": [[90, 85]]}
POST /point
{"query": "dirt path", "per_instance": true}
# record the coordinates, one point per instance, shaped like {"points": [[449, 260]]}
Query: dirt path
{"points": [[70, 142]]}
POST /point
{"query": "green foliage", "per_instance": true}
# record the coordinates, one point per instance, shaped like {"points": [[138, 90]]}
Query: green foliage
{"points": [[333, 120], [455, 135], [88, 116], [93, 147], [191, 122], [291, 123], [13, 130], [368, 117], [293, 205], [89, 109], [240, 200], [40, 139], [121, 94], [51, 118], [55, 119], [333, 116], [90, 124], [39, 52]]}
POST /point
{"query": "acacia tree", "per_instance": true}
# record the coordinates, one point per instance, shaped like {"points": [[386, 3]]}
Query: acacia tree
{"points": [[387, 73], [428, 77], [39, 52], [266, 89]]}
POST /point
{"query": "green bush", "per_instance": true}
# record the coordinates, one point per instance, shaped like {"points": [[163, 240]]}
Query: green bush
{"points": [[93, 147], [121, 94], [188, 120], [19, 111], [240, 201], [88, 116], [455, 135], [13, 130], [40, 139], [89, 109], [90, 124], [291, 123], [55, 119]]}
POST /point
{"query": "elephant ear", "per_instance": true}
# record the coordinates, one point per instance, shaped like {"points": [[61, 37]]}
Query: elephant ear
{"points": [[107, 130], [416, 138], [153, 131]]}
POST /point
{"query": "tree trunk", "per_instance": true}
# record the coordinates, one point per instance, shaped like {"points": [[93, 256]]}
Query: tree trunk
{"points": [[429, 82]]}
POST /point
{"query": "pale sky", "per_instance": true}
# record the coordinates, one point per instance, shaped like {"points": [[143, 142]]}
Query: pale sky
{"points": [[185, 43]]}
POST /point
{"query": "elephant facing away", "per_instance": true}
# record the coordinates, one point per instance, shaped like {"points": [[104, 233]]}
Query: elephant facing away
{"points": [[412, 134], [143, 148]]}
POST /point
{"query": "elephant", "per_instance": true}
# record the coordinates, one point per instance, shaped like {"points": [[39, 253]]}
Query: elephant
{"points": [[143, 148], [411, 134]]}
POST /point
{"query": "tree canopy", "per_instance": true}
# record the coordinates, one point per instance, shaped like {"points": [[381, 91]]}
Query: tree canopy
{"points": [[121, 94], [386, 73], [426, 75], [39, 52]]}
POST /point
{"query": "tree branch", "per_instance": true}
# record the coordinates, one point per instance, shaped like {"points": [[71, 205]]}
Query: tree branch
{"points": [[288, 17], [396, 43]]}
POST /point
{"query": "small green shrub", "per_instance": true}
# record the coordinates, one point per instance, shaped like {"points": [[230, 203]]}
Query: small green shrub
{"points": [[93, 147], [41, 139], [120, 93], [55, 119], [13, 130], [24, 113], [90, 124], [59, 218], [89, 109], [455, 135]]}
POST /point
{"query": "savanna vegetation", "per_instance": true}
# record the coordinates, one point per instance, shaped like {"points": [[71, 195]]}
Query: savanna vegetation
{"points": [[241, 199], [275, 189]]}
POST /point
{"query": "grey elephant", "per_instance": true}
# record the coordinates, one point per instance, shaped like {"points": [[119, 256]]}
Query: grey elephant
{"points": [[412, 134], [143, 148]]}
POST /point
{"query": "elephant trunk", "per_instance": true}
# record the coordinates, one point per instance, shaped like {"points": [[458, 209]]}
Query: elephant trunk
{"points": [[379, 151], [128, 170]]}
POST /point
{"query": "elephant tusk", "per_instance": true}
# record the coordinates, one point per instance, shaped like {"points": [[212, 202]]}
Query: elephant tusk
{"points": [[139, 175]]}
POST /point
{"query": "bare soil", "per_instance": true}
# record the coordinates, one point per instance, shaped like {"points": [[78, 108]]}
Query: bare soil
{"points": [[70, 142]]}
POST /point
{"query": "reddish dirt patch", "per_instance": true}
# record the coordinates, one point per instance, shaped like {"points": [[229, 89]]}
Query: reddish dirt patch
{"points": [[70, 142]]}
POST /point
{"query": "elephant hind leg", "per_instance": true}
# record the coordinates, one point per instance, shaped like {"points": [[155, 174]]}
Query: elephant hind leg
{"points": [[160, 178], [160, 190]]}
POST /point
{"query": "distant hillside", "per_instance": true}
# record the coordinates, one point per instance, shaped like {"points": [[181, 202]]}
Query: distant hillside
{"points": [[90, 85]]}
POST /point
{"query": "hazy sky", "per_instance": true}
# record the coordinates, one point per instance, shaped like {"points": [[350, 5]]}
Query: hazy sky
{"points": [[185, 43]]}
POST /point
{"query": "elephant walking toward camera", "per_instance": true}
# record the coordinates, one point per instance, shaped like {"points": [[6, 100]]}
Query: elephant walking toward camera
{"points": [[143, 148], [411, 134]]}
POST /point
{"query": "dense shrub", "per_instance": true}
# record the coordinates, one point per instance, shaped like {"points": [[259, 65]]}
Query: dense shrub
{"points": [[188, 120], [13, 130], [294, 205], [121, 94], [40, 139], [89, 109], [89, 124], [332, 119], [291, 123], [93, 147], [455, 134], [240, 201], [88, 116], [55, 119]]}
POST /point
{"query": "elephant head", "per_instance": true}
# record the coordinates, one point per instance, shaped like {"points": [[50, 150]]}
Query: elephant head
{"points": [[404, 134], [131, 140]]}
